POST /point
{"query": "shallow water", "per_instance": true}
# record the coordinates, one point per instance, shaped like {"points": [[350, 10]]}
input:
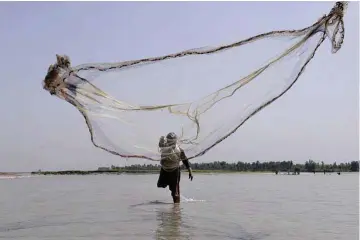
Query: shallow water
{"points": [[214, 206]]}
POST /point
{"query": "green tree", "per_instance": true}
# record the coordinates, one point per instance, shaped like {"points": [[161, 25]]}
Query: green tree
{"points": [[354, 166], [310, 166]]}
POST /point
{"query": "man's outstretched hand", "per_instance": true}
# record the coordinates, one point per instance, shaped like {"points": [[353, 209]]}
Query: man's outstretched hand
{"points": [[190, 175]]}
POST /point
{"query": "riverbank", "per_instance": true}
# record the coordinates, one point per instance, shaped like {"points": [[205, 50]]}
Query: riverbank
{"points": [[127, 171], [282, 168]]}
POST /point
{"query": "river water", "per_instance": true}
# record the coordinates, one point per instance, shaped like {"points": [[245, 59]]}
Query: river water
{"points": [[214, 206]]}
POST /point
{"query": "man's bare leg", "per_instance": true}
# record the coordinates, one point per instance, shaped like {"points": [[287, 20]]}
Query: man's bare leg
{"points": [[176, 194], [176, 199]]}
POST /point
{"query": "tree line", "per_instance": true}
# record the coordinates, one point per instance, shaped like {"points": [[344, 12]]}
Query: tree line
{"points": [[283, 166]]}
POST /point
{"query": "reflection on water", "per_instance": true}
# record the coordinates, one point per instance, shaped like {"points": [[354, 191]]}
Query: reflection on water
{"points": [[151, 203], [170, 223]]}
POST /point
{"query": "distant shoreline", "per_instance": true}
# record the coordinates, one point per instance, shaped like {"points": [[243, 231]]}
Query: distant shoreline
{"points": [[282, 168], [95, 172], [79, 172]]}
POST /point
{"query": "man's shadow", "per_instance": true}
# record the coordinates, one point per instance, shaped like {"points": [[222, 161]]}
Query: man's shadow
{"points": [[170, 223]]}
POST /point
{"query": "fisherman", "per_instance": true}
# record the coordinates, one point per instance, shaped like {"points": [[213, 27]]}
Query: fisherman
{"points": [[171, 155]]}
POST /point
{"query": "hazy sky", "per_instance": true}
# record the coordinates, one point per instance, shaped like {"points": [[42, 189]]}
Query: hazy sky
{"points": [[314, 120]]}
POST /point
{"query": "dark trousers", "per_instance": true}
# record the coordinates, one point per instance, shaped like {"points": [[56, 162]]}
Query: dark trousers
{"points": [[171, 179]]}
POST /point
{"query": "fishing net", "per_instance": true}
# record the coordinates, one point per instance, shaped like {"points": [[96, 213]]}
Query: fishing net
{"points": [[202, 95]]}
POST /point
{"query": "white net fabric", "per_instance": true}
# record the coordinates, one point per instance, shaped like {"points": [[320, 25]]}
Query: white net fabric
{"points": [[202, 95]]}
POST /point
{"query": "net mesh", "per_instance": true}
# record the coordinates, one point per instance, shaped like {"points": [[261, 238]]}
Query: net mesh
{"points": [[202, 95]]}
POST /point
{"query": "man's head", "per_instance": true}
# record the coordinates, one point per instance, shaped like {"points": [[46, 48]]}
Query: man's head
{"points": [[171, 139]]}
